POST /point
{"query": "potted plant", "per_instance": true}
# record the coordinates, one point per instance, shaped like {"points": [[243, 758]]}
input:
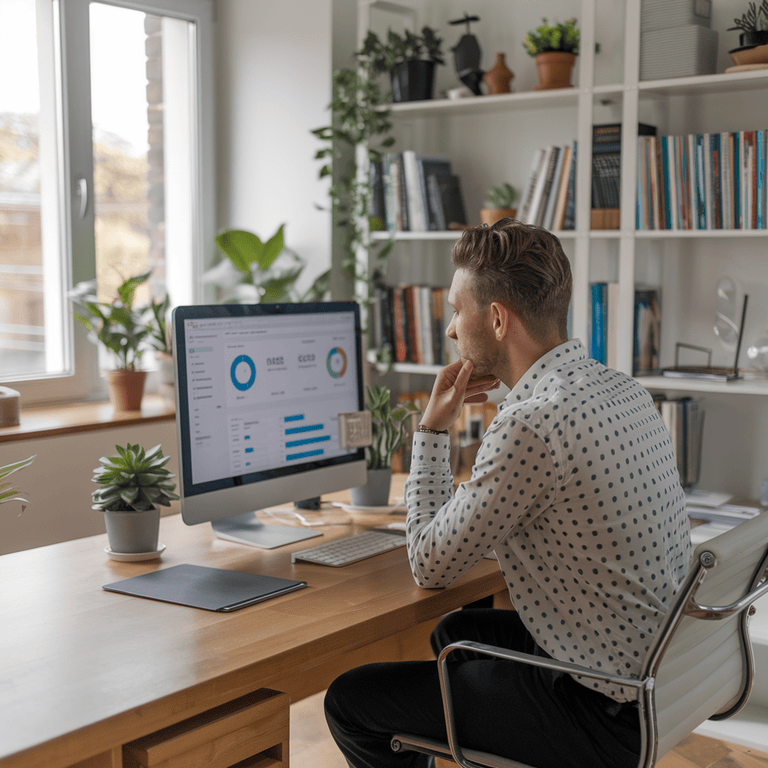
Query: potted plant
{"points": [[389, 432], [554, 47], [257, 271], [133, 486], [7, 492], [753, 25], [123, 330], [409, 59], [156, 316], [499, 204]]}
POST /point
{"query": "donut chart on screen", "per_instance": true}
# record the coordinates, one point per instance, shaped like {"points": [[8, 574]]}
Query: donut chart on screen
{"points": [[336, 362], [237, 367]]}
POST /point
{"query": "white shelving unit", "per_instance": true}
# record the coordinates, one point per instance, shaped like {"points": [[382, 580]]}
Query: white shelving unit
{"points": [[631, 97]]}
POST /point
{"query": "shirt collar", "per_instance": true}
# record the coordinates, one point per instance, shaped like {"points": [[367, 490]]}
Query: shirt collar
{"points": [[570, 352]]}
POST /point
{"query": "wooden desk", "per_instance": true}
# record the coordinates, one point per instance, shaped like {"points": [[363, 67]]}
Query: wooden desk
{"points": [[84, 672]]}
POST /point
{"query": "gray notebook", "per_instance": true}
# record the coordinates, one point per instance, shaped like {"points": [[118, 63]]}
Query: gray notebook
{"points": [[212, 589]]}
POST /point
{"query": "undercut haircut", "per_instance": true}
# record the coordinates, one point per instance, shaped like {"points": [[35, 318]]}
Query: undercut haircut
{"points": [[523, 267]]}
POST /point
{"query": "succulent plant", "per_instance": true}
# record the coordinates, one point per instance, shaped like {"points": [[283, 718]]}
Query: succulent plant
{"points": [[135, 480], [7, 491], [502, 196]]}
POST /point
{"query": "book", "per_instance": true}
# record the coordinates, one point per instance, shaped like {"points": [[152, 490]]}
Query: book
{"points": [[533, 177], [451, 200], [377, 211], [569, 217], [554, 189], [562, 193], [611, 324], [597, 336], [541, 181], [431, 166], [414, 200], [646, 332]]}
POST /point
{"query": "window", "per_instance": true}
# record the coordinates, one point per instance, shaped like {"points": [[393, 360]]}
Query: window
{"points": [[105, 170]]}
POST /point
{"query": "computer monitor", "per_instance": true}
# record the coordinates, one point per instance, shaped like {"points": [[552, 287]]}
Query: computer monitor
{"points": [[259, 390]]}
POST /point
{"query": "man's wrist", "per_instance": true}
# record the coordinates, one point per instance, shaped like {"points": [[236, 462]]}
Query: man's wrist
{"points": [[430, 431]]}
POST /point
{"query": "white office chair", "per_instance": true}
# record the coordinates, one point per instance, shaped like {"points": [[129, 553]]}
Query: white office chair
{"points": [[699, 665]]}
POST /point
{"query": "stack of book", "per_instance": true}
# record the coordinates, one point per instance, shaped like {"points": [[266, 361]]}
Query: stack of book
{"points": [[549, 200], [412, 193], [702, 181], [411, 320], [606, 172], [604, 320]]}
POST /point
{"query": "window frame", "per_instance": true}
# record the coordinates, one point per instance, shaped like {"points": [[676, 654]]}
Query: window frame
{"points": [[63, 40]]}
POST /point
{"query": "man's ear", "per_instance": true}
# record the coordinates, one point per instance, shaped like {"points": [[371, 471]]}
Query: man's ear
{"points": [[503, 320]]}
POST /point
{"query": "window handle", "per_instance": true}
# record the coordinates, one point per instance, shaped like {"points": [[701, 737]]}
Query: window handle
{"points": [[82, 191]]}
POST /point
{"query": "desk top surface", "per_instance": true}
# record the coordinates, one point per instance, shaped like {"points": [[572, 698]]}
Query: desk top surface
{"points": [[79, 664]]}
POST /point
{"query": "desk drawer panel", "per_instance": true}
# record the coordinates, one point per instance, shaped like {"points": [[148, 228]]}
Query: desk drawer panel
{"points": [[253, 725]]}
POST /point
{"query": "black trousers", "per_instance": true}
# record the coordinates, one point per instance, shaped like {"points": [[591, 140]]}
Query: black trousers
{"points": [[521, 712]]}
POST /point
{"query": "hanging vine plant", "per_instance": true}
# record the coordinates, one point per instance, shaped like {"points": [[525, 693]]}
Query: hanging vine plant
{"points": [[360, 123]]}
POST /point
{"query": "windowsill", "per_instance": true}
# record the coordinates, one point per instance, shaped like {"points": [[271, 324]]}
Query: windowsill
{"points": [[71, 418]]}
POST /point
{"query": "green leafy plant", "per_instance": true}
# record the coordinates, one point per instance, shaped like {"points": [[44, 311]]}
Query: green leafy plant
{"points": [[258, 271], [7, 491], [383, 56], [134, 480], [754, 20], [553, 37], [120, 327], [388, 428], [155, 315], [502, 196]]}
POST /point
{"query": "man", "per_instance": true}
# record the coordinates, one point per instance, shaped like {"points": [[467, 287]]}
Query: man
{"points": [[574, 487]]}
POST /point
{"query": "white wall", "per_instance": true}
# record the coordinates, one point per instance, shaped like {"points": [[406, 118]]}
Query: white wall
{"points": [[273, 86], [58, 483]]}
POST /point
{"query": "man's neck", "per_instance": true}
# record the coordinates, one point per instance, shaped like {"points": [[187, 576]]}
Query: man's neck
{"points": [[522, 354]]}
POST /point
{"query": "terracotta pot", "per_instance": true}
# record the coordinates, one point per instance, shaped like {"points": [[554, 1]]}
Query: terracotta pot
{"points": [[498, 78], [126, 389], [490, 216], [554, 69]]}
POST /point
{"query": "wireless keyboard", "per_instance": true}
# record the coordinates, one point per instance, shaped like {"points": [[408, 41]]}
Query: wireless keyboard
{"points": [[350, 550]]}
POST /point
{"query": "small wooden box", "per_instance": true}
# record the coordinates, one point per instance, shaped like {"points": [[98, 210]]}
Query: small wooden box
{"points": [[252, 731]]}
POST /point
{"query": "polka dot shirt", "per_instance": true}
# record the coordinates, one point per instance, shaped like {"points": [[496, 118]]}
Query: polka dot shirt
{"points": [[575, 488]]}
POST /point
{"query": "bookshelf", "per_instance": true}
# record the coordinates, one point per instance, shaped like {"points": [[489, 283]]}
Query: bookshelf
{"points": [[683, 264]]}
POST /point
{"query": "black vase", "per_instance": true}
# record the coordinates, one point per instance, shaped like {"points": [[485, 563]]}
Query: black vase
{"points": [[753, 37], [413, 80]]}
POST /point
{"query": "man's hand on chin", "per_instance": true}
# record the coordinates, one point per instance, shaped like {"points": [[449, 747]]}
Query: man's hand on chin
{"points": [[453, 387]]}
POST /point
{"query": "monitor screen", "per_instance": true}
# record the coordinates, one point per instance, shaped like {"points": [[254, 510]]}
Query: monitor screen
{"points": [[259, 390]]}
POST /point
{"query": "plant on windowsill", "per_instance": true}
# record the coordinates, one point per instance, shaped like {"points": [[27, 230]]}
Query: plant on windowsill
{"points": [[156, 316], [8, 492], [257, 271], [554, 47], [410, 60], [123, 330], [134, 485], [389, 430], [499, 204]]}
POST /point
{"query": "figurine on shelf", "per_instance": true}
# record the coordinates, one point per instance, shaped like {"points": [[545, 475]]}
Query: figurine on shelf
{"points": [[466, 57]]}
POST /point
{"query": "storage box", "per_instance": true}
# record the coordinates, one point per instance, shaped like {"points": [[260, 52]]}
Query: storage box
{"points": [[665, 14], [678, 52]]}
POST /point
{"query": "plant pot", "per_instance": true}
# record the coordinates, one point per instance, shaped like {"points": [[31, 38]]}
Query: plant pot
{"points": [[554, 68], [375, 493], [498, 79], [126, 389], [490, 216], [413, 80], [132, 532], [753, 37]]}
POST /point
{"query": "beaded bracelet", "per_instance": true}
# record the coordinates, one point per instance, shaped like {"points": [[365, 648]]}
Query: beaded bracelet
{"points": [[429, 431]]}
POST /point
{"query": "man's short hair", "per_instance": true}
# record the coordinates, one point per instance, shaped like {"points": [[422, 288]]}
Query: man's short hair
{"points": [[523, 267]]}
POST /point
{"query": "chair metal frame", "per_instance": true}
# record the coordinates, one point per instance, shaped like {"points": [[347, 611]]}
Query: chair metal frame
{"points": [[726, 552]]}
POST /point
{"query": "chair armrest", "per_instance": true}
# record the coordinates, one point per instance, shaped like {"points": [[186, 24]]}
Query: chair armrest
{"points": [[538, 661]]}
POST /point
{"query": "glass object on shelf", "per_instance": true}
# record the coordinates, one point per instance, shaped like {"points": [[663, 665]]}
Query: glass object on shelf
{"points": [[758, 353], [726, 327]]}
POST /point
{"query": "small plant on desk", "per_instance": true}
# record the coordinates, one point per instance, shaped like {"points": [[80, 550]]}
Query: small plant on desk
{"points": [[134, 485]]}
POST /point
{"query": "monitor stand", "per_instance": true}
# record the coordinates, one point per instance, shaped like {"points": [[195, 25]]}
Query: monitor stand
{"points": [[248, 529]]}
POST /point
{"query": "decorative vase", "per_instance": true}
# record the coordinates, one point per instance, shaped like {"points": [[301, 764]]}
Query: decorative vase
{"points": [[126, 389], [375, 493], [413, 80], [554, 68], [498, 78], [133, 532], [490, 216]]}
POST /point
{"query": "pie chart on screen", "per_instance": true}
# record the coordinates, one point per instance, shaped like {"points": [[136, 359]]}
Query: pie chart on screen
{"points": [[337, 362], [243, 372]]}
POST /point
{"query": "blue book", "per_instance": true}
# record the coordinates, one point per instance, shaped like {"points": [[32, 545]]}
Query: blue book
{"points": [[666, 180], [737, 163], [597, 346], [761, 197]]}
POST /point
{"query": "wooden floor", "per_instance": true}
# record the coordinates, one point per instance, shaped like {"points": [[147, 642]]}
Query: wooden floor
{"points": [[313, 747]]}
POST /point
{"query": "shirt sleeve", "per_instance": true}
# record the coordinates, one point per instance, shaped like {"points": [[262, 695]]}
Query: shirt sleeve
{"points": [[513, 479]]}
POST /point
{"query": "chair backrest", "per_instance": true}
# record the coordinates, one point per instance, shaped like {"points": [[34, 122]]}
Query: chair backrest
{"points": [[702, 660]]}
